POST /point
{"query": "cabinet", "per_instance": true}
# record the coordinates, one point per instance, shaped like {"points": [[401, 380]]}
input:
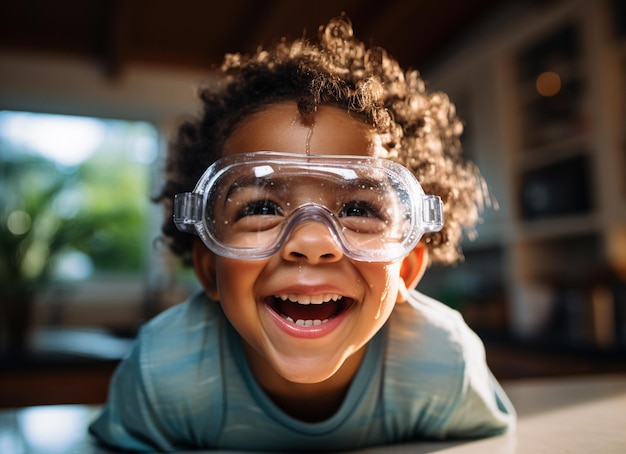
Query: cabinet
{"points": [[543, 91]]}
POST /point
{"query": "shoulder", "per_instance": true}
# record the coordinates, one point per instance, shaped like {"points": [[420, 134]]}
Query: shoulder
{"points": [[196, 313], [181, 332], [168, 391], [181, 340], [426, 354], [179, 354], [180, 360], [435, 361], [426, 337], [424, 328]]}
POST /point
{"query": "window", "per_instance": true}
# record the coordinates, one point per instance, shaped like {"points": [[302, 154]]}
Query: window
{"points": [[74, 197]]}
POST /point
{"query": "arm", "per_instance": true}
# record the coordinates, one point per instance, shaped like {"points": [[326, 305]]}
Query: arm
{"points": [[129, 420], [481, 408], [438, 383], [168, 393]]}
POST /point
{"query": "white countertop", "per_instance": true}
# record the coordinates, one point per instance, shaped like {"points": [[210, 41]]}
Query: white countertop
{"points": [[571, 415]]}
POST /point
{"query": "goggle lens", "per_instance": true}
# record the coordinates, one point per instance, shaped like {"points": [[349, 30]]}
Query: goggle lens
{"points": [[246, 205]]}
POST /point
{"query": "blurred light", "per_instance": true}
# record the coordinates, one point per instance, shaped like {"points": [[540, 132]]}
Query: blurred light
{"points": [[86, 343], [67, 204], [35, 259], [64, 139], [548, 83], [145, 146], [19, 222], [11, 442], [55, 428], [73, 265]]}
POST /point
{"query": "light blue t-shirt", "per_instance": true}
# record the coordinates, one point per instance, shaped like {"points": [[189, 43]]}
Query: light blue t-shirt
{"points": [[187, 385]]}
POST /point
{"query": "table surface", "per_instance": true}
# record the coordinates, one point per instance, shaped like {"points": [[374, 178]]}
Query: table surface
{"points": [[573, 415]]}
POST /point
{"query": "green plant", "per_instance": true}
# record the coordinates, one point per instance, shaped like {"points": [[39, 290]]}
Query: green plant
{"points": [[47, 210]]}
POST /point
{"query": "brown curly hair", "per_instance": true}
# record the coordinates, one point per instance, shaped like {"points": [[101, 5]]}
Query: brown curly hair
{"points": [[419, 129]]}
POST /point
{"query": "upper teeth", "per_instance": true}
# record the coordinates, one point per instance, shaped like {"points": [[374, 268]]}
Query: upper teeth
{"points": [[309, 299]]}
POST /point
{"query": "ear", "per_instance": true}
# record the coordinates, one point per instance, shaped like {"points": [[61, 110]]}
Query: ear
{"points": [[412, 269], [204, 266]]}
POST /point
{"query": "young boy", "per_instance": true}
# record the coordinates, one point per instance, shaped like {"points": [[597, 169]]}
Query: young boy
{"points": [[296, 202]]}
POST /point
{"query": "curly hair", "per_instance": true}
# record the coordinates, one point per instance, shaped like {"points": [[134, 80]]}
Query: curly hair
{"points": [[419, 129]]}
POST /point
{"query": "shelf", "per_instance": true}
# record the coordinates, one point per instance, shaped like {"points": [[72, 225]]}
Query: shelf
{"points": [[532, 158], [514, 359], [563, 189], [565, 226], [557, 165]]}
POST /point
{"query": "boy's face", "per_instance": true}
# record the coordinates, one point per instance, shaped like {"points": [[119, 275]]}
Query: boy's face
{"points": [[310, 268]]}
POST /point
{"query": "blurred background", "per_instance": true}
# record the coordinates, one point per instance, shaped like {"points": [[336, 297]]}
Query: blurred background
{"points": [[91, 90]]}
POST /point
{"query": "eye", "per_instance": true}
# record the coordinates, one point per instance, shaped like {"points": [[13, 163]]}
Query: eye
{"points": [[260, 208], [360, 209]]}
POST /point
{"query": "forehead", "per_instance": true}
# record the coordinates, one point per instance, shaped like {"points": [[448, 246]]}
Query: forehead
{"points": [[281, 127]]}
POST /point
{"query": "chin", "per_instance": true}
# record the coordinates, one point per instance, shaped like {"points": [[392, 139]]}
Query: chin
{"points": [[307, 373]]}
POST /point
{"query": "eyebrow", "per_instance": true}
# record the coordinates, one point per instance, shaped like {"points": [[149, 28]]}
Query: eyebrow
{"points": [[366, 182], [251, 181], [254, 181], [284, 183]]}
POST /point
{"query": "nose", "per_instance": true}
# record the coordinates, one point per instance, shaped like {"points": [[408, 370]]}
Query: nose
{"points": [[313, 243]]}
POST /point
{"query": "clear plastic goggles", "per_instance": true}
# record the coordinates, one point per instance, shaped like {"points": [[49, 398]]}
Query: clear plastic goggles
{"points": [[246, 205]]}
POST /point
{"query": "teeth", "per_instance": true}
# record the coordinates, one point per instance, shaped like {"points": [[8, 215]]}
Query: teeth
{"points": [[301, 322], [306, 299], [317, 299]]}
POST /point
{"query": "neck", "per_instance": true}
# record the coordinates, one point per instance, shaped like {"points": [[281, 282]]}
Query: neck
{"points": [[308, 402]]}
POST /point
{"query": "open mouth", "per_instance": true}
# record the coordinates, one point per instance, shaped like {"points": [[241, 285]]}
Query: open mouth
{"points": [[305, 310]]}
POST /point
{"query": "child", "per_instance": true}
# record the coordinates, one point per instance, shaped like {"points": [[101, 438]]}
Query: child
{"points": [[305, 232]]}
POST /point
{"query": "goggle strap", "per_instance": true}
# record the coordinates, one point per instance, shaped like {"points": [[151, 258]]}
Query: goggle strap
{"points": [[432, 213], [188, 211]]}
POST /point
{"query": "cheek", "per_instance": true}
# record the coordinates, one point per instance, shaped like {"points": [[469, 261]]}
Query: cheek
{"points": [[230, 279], [235, 278], [235, 286], [387, 277], [383, 285]]}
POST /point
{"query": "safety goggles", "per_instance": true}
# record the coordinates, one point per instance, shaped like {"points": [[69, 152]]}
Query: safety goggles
{"points": [[246, 205]]}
